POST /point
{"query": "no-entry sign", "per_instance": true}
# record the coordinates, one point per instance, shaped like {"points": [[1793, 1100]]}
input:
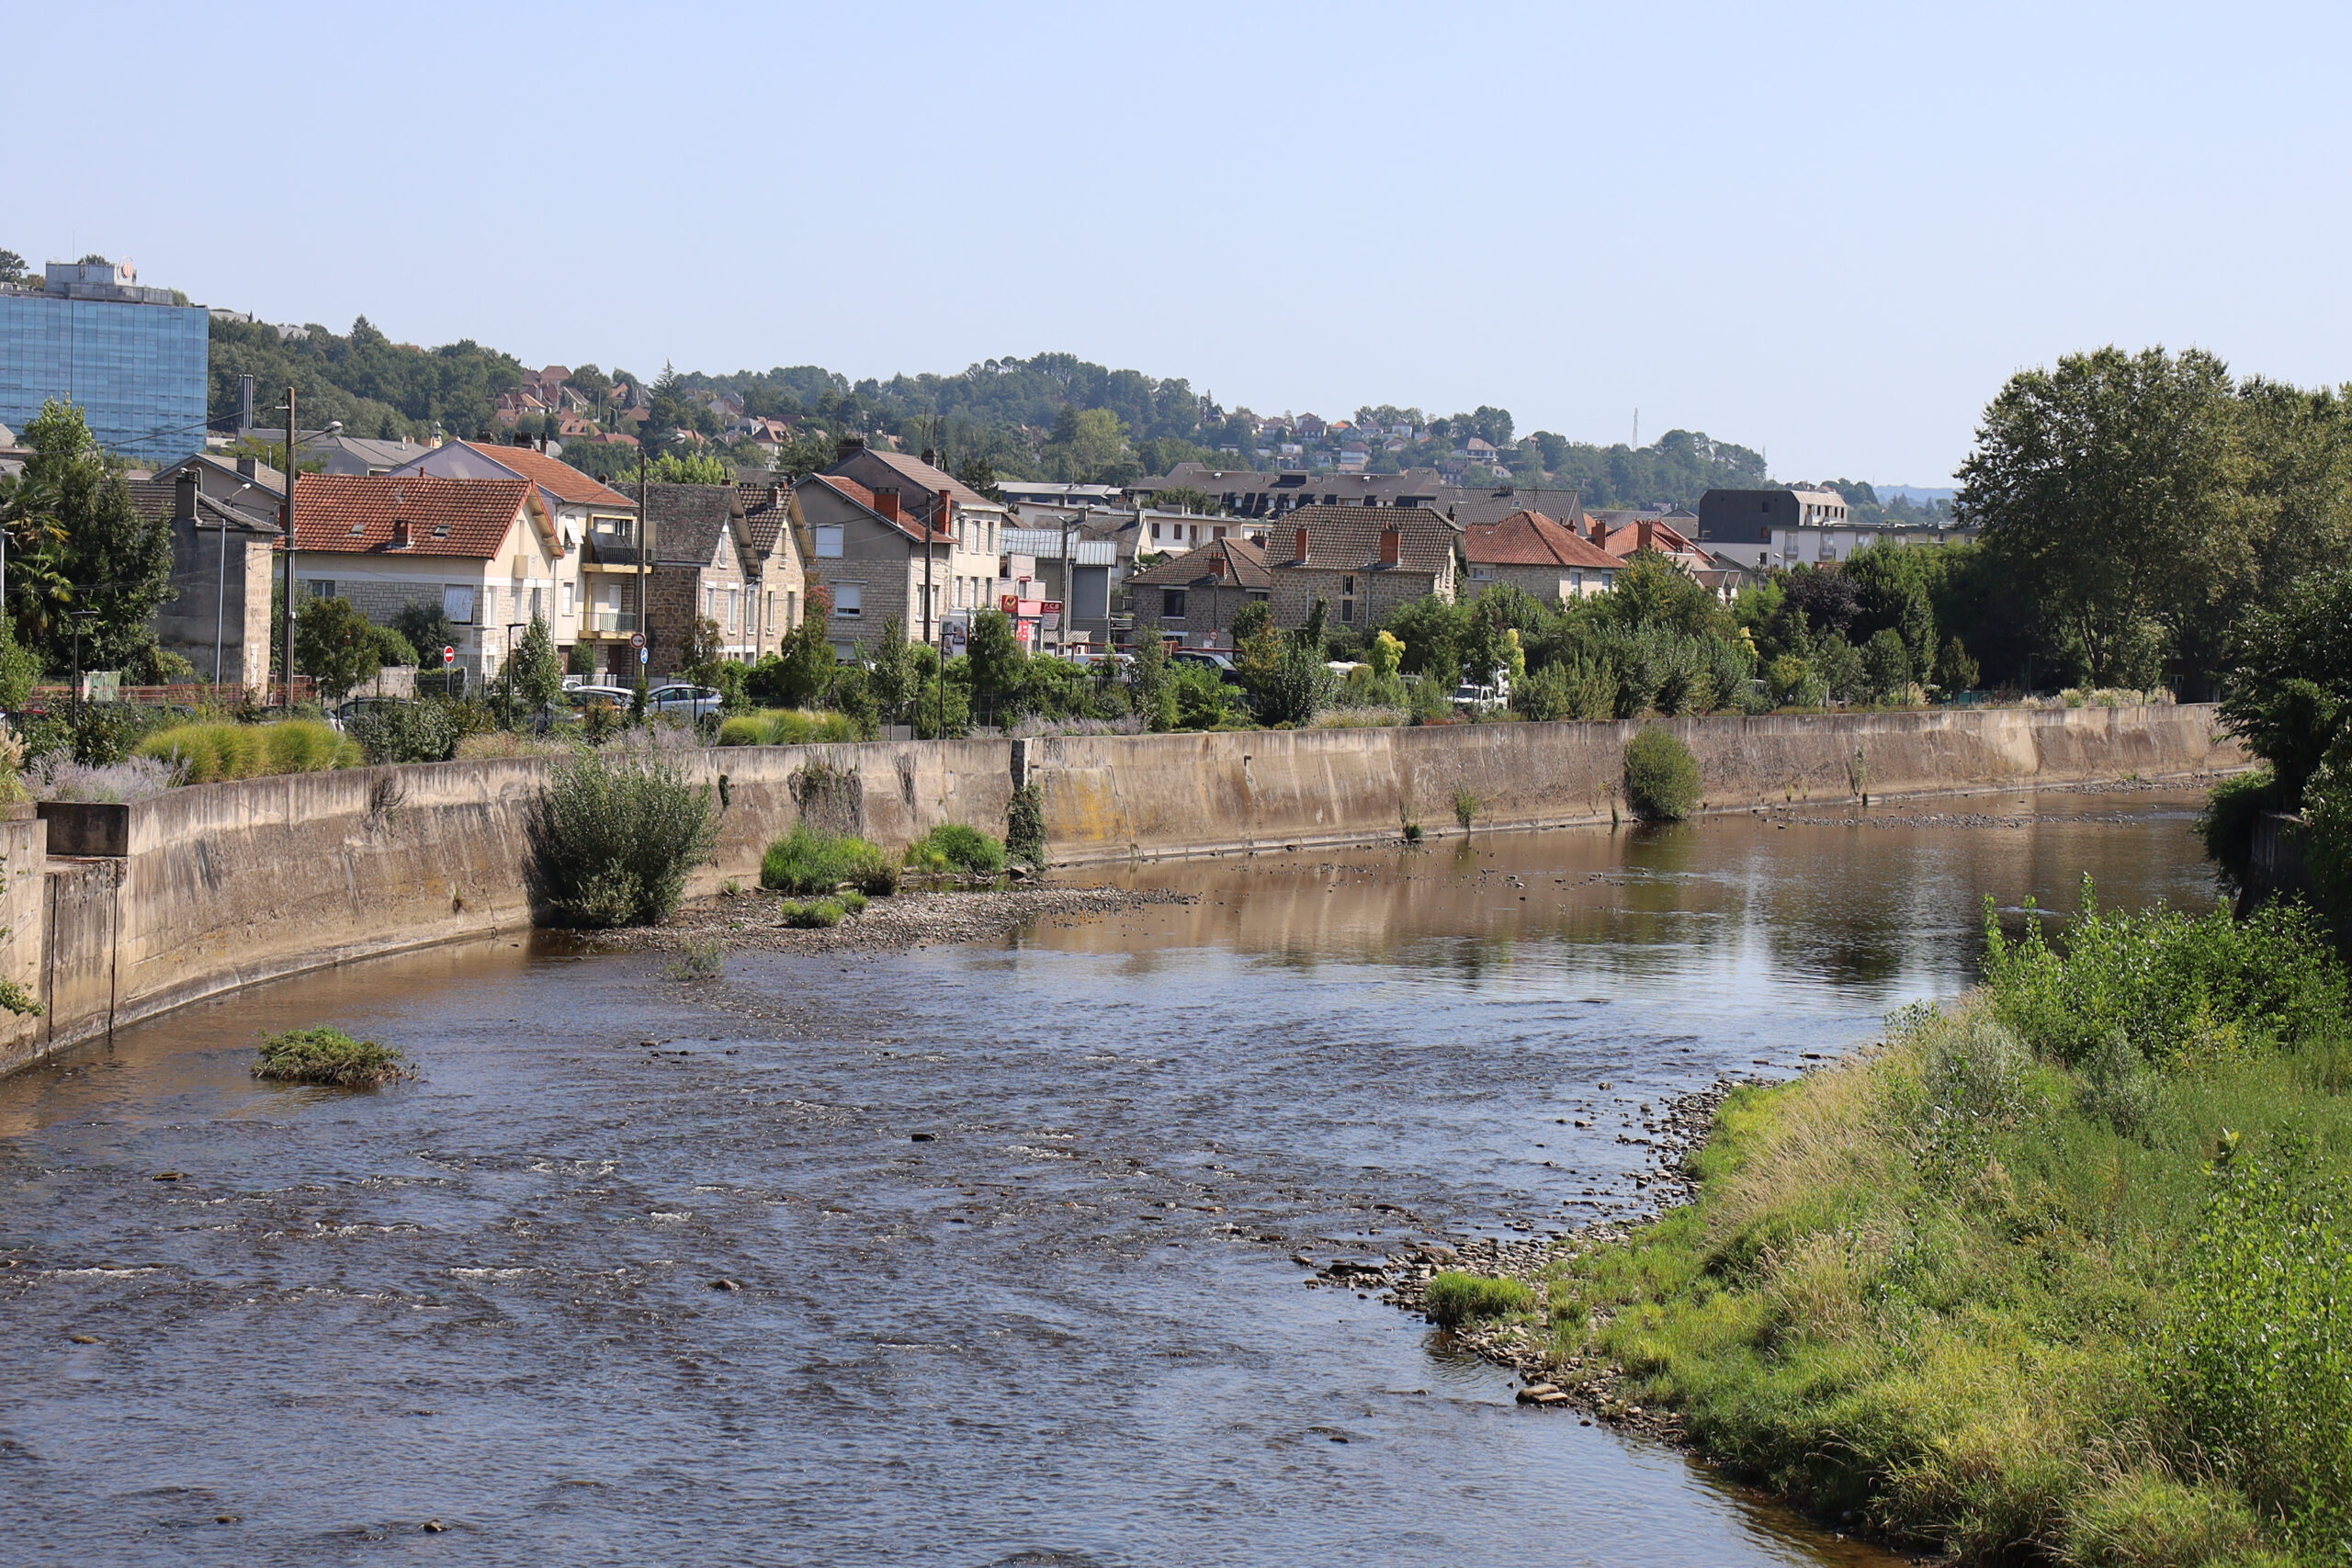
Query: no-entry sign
{"points": [[448, 654]]}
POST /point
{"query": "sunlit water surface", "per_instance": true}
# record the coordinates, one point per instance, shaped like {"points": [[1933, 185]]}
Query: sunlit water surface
{"points": [[1065, 1329]]}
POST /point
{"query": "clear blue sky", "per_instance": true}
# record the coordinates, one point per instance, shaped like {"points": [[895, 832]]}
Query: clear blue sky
{"points": [[1828, 230]]}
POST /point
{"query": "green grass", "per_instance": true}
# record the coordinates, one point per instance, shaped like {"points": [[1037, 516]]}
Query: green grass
{"points": [[811, 914], [2057, 1273], [1455, 1298], [953, 847], [700, 958], [210, 753], [786, 726], [327, 1055], [809, 860]]}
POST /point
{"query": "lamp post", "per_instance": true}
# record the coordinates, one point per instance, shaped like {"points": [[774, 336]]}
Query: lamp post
{"points": [[292, 464]]}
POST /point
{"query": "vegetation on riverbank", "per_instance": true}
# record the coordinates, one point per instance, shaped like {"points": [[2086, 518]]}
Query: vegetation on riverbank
{"points": [[2058, 1271], [328, 1055], [614, 838]]}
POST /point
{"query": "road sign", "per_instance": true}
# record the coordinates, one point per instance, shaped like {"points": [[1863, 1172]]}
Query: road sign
{"points": [[642, 656], [448, 655], [637, 640]]}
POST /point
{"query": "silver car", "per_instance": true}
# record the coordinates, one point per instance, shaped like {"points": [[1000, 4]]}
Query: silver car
{"points": [[683, 700]]}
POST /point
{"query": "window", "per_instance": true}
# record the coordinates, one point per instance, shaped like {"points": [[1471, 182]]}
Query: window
{"points": [[849, 599], [538, 610], [734, 609], [1155, 533], [567, 598], [828, 541], [1608, 580], [457, 603], [769, 624], [1171, 604], [1576, 581], [709, 603], [1347, 585], [847, 652], [1347, 612], [319, 586]]}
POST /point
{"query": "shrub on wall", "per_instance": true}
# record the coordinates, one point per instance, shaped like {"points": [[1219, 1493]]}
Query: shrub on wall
{"points": [[1662, 777], [614, 839], [211, 752]]}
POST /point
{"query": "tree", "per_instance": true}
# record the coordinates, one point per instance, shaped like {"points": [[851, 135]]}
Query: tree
{"points": [[113, 560], [894, 678], [802, 456], [1252, 618], [536, 674], [1187, 499], [689, 469], [12, 267], [1089, 447], [1886, 665], [334, 643], [978, 476], [2114, 489], [1653, 591], [427, 628], [798, 672], [997, 661]]}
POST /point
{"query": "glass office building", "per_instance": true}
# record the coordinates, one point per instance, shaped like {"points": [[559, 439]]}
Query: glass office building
{"points": [[137, 370]]}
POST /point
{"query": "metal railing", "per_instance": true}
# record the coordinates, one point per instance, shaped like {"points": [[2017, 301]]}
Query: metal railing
{"points": [[608, 623]]}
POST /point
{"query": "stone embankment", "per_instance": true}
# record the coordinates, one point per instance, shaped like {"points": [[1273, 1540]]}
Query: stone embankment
{"points": [[117, 913]]}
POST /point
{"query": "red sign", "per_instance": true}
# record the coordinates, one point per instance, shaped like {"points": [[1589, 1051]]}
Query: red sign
{"points": [[448, 655], [1009, 603]]}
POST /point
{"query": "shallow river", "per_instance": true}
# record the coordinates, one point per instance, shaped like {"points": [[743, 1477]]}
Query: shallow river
{"points": [[474, 1319]]}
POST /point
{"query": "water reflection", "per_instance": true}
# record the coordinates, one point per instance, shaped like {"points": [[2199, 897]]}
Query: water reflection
{"points": [[1062, 1327]]}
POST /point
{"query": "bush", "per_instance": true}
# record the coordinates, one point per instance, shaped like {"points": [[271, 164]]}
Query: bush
{"points": [[1465, 806], [951, 846], [813, 914], [700, 958], [134, 778], [1025, 825], [407, 732], [614, 839], [809, 860], [1455, 1298], [1662, 777], [210, 753], [325, 1055], [106, 733]]}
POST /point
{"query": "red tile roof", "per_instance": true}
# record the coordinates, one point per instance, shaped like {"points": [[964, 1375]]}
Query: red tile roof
{"points": [[1530, 538], [1621, 542], [910, 525], [553, 475], [354, 512], [1245, 567]]}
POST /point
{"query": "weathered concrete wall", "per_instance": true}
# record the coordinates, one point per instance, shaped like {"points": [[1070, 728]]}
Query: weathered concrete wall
{"points": [[1109, 797], [225, 884]]}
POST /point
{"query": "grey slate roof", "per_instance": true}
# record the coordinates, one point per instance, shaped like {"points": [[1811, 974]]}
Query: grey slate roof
{"points": [[688, 519]]}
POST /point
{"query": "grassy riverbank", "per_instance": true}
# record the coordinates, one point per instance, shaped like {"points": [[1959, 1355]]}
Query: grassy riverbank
{"points": [[2068, 1269]]}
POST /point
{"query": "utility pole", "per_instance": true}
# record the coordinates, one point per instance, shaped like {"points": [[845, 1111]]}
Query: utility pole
{"points": [[289, 551], [644, 554]]}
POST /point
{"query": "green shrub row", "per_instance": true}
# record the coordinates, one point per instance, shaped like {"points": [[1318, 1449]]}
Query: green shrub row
{"points": [[953, 847], [208, 752], [810, 861], [786, 726]]}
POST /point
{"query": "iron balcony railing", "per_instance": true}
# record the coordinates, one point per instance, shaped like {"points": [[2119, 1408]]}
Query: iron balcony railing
{"points": [[608, 623]]}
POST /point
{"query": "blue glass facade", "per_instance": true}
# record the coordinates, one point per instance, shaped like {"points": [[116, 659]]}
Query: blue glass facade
{"points": [[138, 371]]}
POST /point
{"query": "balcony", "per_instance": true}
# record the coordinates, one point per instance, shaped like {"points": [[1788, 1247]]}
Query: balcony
{"points": [[607, 623]]}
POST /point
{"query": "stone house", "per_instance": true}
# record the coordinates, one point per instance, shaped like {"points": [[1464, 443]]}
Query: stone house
{"points": [[486, 551], [1539, 555], [1194, 597], [978, 522], [881, 561], [224, 557], [1364, 562]]}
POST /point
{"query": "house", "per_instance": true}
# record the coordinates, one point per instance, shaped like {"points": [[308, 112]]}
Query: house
{"points": [[1194, 597], [1539, 555], [881, 561], [224, 558], [1073, 566], [1364, 562], [920, 487], [580, 506], [1624, 539], [699, 544], [1782, 528], [1492, 504], [774, 566], [487, 551]]}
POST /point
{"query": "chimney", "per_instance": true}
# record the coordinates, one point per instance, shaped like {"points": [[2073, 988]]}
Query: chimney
{"points": [[848, 447], [1217, 564], [184, 495], [1299, 554], [886, 502], [400, 534], [1391, 544], [244, 468], [943, 520], [1600, 534]]}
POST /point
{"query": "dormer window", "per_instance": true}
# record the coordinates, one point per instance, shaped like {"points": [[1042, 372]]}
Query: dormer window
{"points": [[440, 530]]}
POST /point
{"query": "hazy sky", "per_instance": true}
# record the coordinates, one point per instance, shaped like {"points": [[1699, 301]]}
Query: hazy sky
{"points": [[1827, 230]]}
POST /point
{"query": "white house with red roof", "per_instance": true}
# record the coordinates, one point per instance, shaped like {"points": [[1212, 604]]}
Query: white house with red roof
{"points": [[1539, 555], [487, 552]]}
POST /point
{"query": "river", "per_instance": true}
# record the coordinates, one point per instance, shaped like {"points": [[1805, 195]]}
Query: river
{"points": [[959, 1256]]}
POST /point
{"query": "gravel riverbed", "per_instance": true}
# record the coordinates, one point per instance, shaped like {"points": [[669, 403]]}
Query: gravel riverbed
{"points": [[914, 918]]}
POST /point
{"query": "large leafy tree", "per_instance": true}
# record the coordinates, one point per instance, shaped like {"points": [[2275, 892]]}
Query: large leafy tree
{"points": [[96, 560], [335, 643], [2114, 489]]}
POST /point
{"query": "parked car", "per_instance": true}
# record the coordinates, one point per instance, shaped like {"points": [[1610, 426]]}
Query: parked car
{"points": [[352, 707], [1208, 659], [1472, 698], [685, 701], [593, 696]]}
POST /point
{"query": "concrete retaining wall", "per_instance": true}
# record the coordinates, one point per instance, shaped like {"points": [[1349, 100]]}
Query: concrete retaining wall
{"points": [[220, 886]]}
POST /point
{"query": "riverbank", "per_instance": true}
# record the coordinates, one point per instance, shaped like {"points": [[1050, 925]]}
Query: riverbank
{"points": [[2056, 1273], [913, 917]]}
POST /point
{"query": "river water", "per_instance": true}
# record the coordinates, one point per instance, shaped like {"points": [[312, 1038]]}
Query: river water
{"points": [[477, 1318]]}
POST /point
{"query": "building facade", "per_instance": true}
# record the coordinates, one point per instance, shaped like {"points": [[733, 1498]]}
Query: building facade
{"points": [[880, 562], [1762, 529], [1364, 562], [1194, 597], [1538, 555], [133, 359], [224, 558]]}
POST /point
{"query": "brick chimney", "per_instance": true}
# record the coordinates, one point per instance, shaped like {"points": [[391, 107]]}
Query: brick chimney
{"points": [[1217, 564], [886, 502], [1300, 553], [848, 447], [943, 520], [184, 495], [1392, 541], [1600, 534], [400, 534]]}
